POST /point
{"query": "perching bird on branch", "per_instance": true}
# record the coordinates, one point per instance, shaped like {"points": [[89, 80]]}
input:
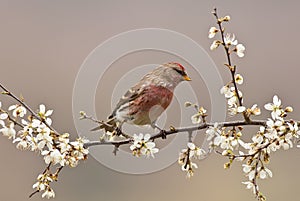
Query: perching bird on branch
{"points": [[143, 103]]}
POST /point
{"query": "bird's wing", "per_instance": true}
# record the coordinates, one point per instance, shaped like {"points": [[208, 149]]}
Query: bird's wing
{"points": [[130, 95]]}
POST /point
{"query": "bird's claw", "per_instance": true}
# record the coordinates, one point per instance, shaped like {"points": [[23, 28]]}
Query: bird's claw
{"points": [[118, 132], [163, 134]]}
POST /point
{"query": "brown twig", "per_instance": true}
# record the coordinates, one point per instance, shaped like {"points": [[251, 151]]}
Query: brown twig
{"points": [[46, 170], [256, 174], [231, 67], [84, 116], [33, 193]]}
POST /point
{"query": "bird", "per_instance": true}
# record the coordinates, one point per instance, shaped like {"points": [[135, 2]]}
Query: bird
{"points": [[143, 103]]}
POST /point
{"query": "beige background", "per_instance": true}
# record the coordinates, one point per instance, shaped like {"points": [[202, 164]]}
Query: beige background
{"points": [[43, 43]]}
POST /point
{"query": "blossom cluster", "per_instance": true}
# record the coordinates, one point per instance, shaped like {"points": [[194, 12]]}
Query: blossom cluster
{"points": [[34, 132], [228, 41], [274, 134], [227, 139], [187, 155], [43, 184], [278, 133], [143, 146], [200, 115], [232, 100], [232, 97]]}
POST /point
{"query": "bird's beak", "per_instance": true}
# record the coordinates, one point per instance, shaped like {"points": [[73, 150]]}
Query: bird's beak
{"points": [[187, 78]]}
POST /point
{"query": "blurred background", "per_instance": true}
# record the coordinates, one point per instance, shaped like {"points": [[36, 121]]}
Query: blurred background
{"points": [[44, 43]]}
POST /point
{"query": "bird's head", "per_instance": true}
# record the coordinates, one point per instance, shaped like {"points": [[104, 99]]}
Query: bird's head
{"points": [[167, 75], [176, 70]]}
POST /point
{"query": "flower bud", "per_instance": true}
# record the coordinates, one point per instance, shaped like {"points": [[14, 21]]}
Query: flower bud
{"points": [[226, 18], [288, 109], [188, 104]]}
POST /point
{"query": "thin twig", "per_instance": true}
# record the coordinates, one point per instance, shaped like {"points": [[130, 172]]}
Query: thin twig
{"points": [[44, 172], [232, 68], [84, 116], [59, 169], [256, 174], [33, 193]]}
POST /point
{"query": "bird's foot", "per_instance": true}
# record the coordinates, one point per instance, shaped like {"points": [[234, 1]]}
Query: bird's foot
{"points": [[163, 134], [118, 132]]}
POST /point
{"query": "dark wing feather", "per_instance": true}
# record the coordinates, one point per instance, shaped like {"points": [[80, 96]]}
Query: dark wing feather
{"points": [[130, 95]]}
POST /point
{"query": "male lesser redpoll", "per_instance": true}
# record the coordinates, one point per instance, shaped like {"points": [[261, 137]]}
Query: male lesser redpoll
{"points": [[143, 103]]}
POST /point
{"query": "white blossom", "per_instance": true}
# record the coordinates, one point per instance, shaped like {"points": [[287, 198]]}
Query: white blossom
{"points": [[272, 147], [250, 185], [230, 39], [185, 158], [227, 92], [195, 151], [3, 116], [213, 131], [212, 32], [232, 102], [258, 139], [79, 152], [236, 109], [275, 107], [17, 110], [294, 129], [149, 149], [286, 142], [274, 128], [32, 142], [239, 79], [53, 156], [64, 146], [225, 143], [22, 143], [254, 110], [264, 173], [49, 193], [142, 146], [9, 132], [44, 137], [188, 168], [215, 45], [197, 118], [39, 186], [239, 49], [251, 175], [44, 115], [247, 168], [43, 182], [30, 126]]}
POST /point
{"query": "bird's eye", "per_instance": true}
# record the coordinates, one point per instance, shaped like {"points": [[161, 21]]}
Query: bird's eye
{"points": [[180, 71]]}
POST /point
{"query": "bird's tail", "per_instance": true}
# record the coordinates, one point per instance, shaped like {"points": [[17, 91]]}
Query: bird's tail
{"points": [[109, 125]]}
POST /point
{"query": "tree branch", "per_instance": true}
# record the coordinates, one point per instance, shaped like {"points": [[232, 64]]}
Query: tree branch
{"points": [[8, 93], [180, 130]]}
